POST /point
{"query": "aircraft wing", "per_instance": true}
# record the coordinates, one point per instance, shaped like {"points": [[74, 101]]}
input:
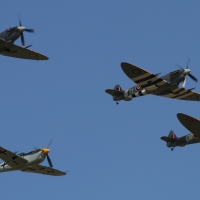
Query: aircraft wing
{"points": [[21, 52], [40, 169], [177, 92], [191, 123], [11, 158], [141, 76]]}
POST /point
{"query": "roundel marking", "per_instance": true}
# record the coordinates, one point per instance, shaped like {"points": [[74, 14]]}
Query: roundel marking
{"points": [[135, 71], [138, 87], [189, 120]]}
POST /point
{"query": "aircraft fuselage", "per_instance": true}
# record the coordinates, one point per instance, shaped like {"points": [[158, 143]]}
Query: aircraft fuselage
{"points": [[183, 141], [33, 159]]}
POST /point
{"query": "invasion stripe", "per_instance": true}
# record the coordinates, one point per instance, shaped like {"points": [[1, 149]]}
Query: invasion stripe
{"points": [[149, 81], [180, 95], [181, 89], [158, 81], [170, 95], [188, 94], [136, 94], [176, 89], [173, 94], [162, 83], [140, 93], [145, 79], [140, 77], [133, 95]]}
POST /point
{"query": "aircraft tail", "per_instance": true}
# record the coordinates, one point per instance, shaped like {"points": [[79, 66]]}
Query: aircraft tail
{"points": [[171, 137], [118, 88], [117, 92]]}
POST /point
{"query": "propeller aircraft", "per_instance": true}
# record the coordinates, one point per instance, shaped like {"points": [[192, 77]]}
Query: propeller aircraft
{"points": [[192, 124], [8, 48], [148, 83], [28, 162]]}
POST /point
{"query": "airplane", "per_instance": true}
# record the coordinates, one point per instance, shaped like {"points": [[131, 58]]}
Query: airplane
{"points": [[8, 48], [148, 83], [192, 124], [28, 162]]}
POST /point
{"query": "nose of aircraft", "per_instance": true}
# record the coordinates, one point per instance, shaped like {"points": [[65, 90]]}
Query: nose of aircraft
{"points": [[45, 151], [21, 28], [186, 71]]}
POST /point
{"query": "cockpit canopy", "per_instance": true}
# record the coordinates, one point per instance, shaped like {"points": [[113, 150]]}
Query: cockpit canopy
{"points": [[29, 153]]}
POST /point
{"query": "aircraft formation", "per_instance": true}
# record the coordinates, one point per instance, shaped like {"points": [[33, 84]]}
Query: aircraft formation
{"points": [[164, 86], [25, 162], [146, 83]]}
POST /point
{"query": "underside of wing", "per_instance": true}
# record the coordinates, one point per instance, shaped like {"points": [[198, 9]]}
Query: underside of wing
{"points": [[191, 123], [179, 93], [11, 158], [40, 169], [21, 52], [141, 76]]}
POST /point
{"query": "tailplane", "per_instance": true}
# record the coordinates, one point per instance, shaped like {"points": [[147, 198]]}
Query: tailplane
{"points": [[170, 140], [117, 93]]}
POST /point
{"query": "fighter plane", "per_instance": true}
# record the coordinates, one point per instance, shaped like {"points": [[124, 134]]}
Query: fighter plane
{"points": [[192, 124], [148, 83], [28, 162], [8, 48]]}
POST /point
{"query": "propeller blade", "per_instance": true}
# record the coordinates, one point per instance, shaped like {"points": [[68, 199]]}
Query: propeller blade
{"points": [[193, 77], [20, 24], [49, 161], [49, 144], [29, 30], [184, 82], [22, 39], [188, 62], [178, 66]]}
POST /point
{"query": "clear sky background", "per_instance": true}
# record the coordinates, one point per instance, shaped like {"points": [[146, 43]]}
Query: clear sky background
{"points": [[110, 151]]}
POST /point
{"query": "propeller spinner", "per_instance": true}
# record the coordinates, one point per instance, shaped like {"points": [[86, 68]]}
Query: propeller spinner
{"points": [[45, 152], [186, 72], [22, 29]]}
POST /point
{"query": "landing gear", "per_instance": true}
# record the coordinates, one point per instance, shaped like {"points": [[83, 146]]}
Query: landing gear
{"points": [[172, 149], [117, 102]]}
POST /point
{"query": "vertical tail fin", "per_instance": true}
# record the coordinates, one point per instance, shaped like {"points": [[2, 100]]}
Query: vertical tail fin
{"points": [[172, 135], [118, 88], [170, 139], [117, 93]]}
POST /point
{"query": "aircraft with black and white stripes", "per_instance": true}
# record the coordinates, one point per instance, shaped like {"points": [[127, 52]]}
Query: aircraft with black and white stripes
{"points": [[148, 83], [192, 124]]}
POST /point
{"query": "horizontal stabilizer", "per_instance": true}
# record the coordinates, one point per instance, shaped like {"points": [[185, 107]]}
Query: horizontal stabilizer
{"points": [[168, 139], [114, 92]]}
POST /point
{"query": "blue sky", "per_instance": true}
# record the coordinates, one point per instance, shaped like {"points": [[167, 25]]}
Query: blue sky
{"points": [[111, 152]]}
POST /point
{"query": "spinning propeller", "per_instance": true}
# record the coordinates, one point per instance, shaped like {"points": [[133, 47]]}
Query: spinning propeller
{"points": [[48, 158], [45, 152], [186, 72], [22, 28]]}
